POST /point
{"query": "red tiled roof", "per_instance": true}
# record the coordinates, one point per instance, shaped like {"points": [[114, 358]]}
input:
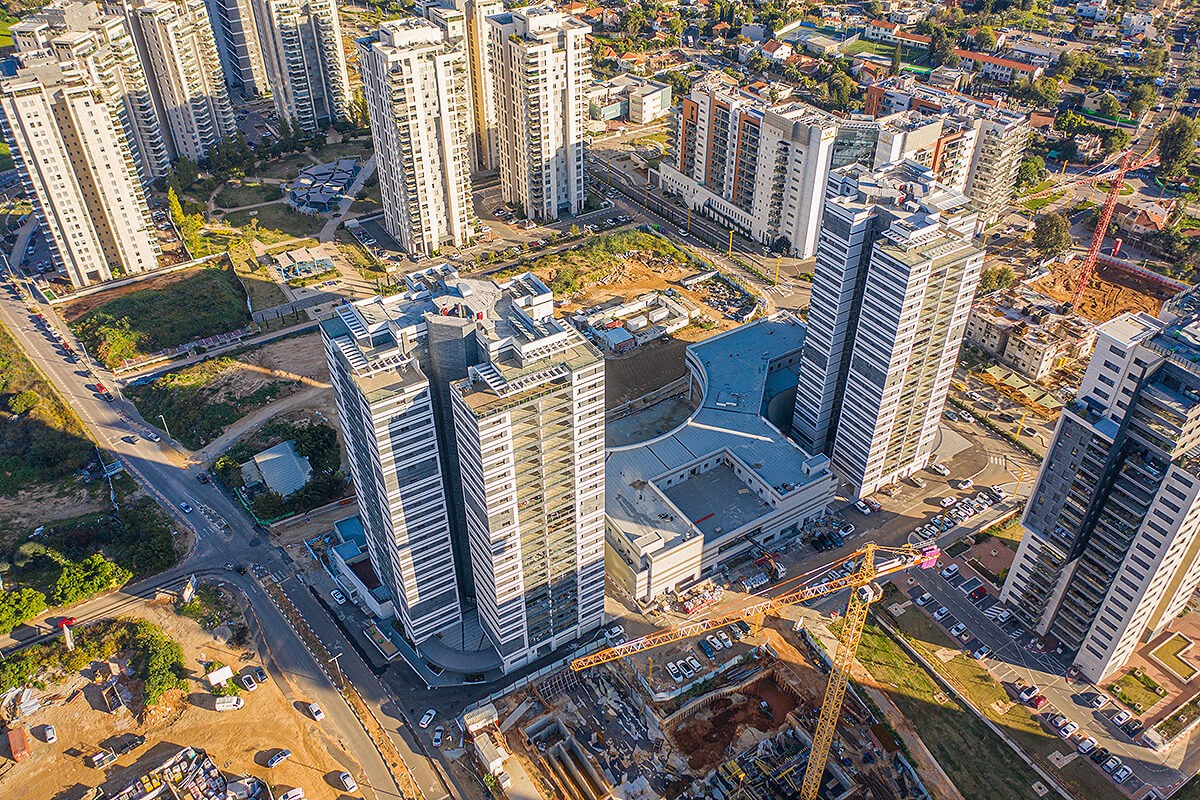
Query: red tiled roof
{"points": [[984, 58]]}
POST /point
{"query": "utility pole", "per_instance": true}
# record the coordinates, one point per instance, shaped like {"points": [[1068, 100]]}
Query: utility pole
{"points": [[731, 242]]}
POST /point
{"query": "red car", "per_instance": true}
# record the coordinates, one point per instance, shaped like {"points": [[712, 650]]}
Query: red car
{"points": [[1038, 701], [65, 621], [979, 593]]}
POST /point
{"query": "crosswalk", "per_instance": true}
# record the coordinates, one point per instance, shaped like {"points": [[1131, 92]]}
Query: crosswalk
{"points": [[783, 289], [994, 611], [997, 459]]}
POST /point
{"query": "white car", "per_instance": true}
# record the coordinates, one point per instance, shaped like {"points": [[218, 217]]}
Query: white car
{"points": [[941, 613], [974, 397], [950, 571], [684, 669], [966, 483], [337, 596], [293, 794], [438, 733], [714, 642], [724, 637], [348, 782], [863, 508], [676, 675], [427, 718], [248, 683], [694, 664], [1067, 730], [947, 502], [1086, 746], [51, 734], [965, 417], [924, 599], [1028, 693], [1004, 616], [1122, 774], [940, 469], [316, 712], [958, 629], [1121, 717]]}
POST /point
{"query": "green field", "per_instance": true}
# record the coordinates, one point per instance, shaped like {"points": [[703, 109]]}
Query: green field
{"points": [[355, 148], [235, 195], [280, 218], [199, 303], [908, 54], [45, 442], [1136, 690]]}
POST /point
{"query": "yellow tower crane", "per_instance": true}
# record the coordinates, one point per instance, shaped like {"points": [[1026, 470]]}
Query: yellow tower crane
{"points": [[870, 562]]}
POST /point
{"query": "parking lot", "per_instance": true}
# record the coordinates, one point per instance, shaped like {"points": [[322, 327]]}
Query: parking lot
{"points": [[1087, 720]]}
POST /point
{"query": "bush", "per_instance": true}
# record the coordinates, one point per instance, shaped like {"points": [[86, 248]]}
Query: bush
{"points": [[18, 606], [87, 578], [159, 661]]}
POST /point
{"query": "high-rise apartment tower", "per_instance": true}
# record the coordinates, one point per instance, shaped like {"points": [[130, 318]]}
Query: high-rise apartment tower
{"points": [[302, 48]]}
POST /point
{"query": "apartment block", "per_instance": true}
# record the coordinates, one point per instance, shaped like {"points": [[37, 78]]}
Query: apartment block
{"points": [[179, 52], [416, 84], [895, 274], [477, 45], [100, 44], [78, 166], [239, 46], [1111, 553], [1029, 332], [541, 66], [474, 421], [306, 65], [981, 146]]}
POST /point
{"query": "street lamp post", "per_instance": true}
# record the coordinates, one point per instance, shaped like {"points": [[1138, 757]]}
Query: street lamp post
{"points": [[165, 428]]}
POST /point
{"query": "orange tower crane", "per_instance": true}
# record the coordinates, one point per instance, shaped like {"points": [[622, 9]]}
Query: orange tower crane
{"points": [[869, 563]]}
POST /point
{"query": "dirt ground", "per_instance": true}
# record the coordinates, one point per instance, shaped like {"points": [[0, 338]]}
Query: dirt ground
{"points": [[238, 741], [299, 357], [1109, 293], [40, 505], [735, 719], [77, 308]]}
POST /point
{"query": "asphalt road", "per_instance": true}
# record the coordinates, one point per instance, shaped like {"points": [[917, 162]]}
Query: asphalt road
{"points": [[164, 472]]}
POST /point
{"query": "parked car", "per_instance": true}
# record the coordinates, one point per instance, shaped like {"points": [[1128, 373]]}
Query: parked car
{"points": [[438, 734], [1100, 756], [427, 718], [706, 648], [694, 664], [951, 415], [1004, 616], [950, 571], [941, 613], [1111, 765], [947, 502], [1097, 700], [1027, 693], [958, 629], [260, 674], [316, 712], [51, 734], [1121, 774], [1133, 727], [348, 782], [978, 594], [724, 637], [1068, 729], [280, 757], [293, 794], [248, 683], [1038, 702], [965, 416], [917, 481], [1086, 746], [999, 492], [684, 669], [674, 672], [1121, 717], [863, 508], [940, 469], [715, 642], [981, 652], [924, 599]]}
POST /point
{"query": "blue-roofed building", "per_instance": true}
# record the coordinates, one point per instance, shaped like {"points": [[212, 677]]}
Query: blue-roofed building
{"points": [[684, 503], [353, 571]]}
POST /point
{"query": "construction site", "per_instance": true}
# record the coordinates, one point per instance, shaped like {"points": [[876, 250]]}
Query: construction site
{"points": [[713, 708], [1110, 292]]}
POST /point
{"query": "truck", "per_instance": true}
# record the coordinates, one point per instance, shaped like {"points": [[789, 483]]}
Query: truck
{"points": [[229, 703], [18, 743]]}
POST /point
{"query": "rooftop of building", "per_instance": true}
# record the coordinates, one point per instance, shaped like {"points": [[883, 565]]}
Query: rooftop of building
{"points": [[1032, 312], [732, 369]]}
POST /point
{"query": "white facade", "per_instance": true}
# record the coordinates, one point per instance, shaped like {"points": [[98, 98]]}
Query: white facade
{"points": [[179, 51], [306, 64], [75, 161], [239, 46], [99, 43], [1110, 553], [416, 86], [386, 412], [541, 65], [502, 444], [896, 272], [756, 168], [478, 48]]}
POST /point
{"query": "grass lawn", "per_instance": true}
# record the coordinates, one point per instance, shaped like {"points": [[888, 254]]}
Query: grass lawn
{"points": [[6, 21], [47, 442], [990, 697], [260, 285], [285, 167], [194, 304], [358, 257], [1008, 533], [1038, 203], [280, 218], [1168, 653], [212, 242], [979, 763], [235, 195], [1104, 186], [908, 55], [1189, 791], [356, 148], [369, 200], [1134, 691]]}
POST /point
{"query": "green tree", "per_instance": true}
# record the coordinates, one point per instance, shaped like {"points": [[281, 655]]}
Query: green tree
{"points": [[91, 576], [184, 173], [996, 277], [23, 401], [1052, 235], [159, 661], [1031, 170], [1141, 97], [1044, 91], [895, 69], [985, 38], [18, 606], [175, 207], [1108, 105], [1176, 145]]}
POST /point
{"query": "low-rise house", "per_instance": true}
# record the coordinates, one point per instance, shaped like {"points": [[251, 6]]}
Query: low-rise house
{"points": [[1029, 332]]}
